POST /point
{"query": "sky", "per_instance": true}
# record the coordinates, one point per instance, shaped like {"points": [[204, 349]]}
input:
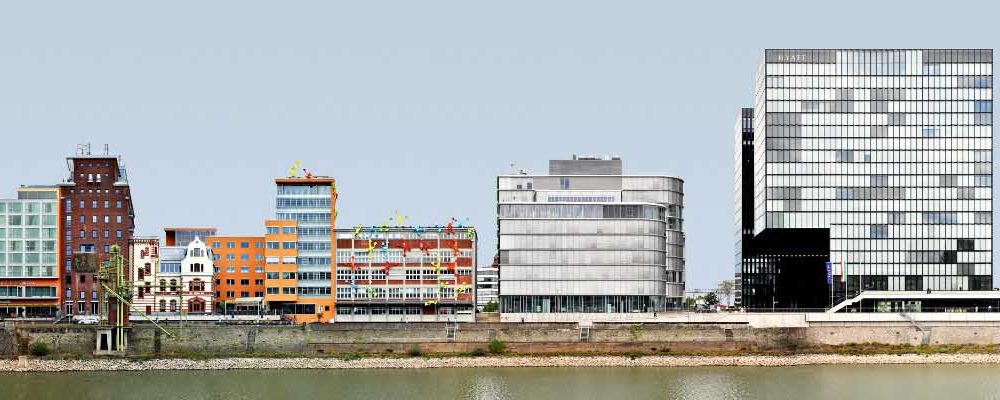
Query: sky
{"points": [[413, 106]]}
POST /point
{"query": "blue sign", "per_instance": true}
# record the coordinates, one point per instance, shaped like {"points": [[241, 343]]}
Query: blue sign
{"points": [[829, 273]]}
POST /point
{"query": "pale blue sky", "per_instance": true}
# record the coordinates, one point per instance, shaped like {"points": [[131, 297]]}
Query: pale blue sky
{"points": [[412, 105]]}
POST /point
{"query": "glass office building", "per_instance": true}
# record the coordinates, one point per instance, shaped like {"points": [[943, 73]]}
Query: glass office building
{"points": [[871, 171], [29, 253], [588, 239], [305, 213]]}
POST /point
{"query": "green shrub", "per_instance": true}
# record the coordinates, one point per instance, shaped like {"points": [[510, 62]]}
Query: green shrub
{"points": [[497, 347], [635, 355], [349, 356], [39, 349], [491, 307], [478, 352], [415, 351]]}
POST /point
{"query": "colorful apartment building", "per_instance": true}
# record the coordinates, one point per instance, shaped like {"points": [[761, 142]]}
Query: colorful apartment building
{"points": [[299, 248], [97, 213], [184, 236], [239, 272], [30, 247], [406, 274], [171, 280]]}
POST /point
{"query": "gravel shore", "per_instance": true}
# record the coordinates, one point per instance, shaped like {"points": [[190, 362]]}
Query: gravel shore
{"points": [[36, 365]]}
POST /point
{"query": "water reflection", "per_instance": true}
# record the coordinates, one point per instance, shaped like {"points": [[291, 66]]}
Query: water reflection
{"points": [[837, 382], [488, 386]]}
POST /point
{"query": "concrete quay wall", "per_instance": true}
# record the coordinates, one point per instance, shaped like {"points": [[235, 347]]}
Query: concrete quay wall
{"points": [[519, 338]]}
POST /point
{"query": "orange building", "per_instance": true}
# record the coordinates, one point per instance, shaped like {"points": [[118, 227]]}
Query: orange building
{"points": [[239, 271], [299, 247]]}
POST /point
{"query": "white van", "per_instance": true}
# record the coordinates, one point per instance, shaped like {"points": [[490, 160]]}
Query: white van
{"points": [[85, 319]]}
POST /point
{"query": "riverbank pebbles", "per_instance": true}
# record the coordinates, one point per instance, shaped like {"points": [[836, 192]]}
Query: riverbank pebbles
{"points": [[44, 365]]}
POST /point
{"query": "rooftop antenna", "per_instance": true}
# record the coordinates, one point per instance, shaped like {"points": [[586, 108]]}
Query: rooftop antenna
{"points": [[105, 149]]}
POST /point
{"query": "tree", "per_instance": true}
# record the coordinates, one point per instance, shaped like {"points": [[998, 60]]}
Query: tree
{"points": [[726, 288], [491, 307], [710, 298]]}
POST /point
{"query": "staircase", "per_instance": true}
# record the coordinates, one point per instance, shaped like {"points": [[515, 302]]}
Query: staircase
{"points": [[926, 339], [845, 303]]}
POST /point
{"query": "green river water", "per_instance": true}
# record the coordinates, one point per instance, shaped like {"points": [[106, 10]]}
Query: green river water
{"points": [[840, 382]]}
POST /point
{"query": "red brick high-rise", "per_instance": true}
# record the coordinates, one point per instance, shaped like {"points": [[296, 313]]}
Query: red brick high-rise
{"points": [[97, 213]]}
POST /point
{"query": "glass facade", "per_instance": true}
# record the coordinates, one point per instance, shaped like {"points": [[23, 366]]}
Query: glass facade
{"points": [[606, 243], [888, 152], [28, 239], [310, 206]]}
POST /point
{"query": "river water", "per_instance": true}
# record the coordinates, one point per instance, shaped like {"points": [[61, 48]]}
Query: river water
{"points": [[840, 382]]}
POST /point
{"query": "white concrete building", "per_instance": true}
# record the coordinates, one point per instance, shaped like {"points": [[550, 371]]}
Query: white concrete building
{"points": [[169, 280]]}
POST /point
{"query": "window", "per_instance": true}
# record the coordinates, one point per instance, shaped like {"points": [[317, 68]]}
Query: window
{"points": [[272, 290], [118, 204], [107, 234], [984, 106], [197, 267], [258, 281], [244, 245], [118, 219], [288, 245], [272, 230], [106, 203], [93, 233], [245, 270], [230, 281], [564, 183], [244, 281], [118, 234], [273, 245], [230, 245], [288, 230], [173, 305], [879, 231], [93, 219], [81, 204], [244, 257], [93, 204], [966, 245]]}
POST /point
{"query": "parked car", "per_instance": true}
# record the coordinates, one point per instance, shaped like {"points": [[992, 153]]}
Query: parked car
{"points": [[86, 319]]}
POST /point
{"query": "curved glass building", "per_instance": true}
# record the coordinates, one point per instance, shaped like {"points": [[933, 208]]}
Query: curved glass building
{"points": [[587, 239]]}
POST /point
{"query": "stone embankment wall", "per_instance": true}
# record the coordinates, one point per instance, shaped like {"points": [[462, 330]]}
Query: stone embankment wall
{"points": [[519, 338]]}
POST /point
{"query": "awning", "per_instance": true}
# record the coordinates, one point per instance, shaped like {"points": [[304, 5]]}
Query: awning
{"points": [[248, 300]]}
